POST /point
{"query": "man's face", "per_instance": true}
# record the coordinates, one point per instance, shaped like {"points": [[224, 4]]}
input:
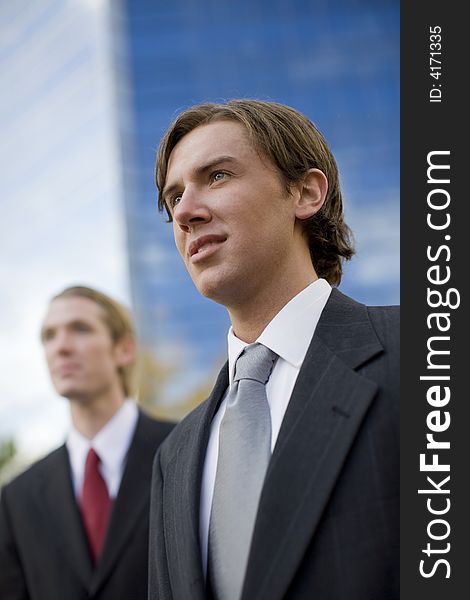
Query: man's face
{"points": [[233, 219], [80, 353]]}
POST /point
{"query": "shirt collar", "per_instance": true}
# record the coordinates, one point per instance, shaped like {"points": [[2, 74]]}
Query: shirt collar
{"points": [[113, 440], [111, 443], [290, 332]]}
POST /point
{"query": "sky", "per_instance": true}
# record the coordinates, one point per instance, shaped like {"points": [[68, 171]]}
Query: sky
{"points": [[62, 203], [62, 215]]}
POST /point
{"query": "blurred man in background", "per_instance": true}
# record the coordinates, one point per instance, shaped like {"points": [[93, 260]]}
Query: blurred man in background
{"points": [[75, 524], [284, 483]]}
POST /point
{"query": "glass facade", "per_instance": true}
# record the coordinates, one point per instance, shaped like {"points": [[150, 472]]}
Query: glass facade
{"points": [[338, 62], [89, 87]]}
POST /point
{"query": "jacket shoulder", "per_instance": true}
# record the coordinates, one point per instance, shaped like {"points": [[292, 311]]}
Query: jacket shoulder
{"points": [[197, 422], [40, 469], [153, 428], [182, 432], [386, 322]]}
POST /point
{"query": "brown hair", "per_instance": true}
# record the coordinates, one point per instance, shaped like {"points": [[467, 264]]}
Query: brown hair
{"points": [[118, 321], [294, 145]]}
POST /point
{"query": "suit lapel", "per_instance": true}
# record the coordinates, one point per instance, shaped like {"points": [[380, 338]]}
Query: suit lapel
{"points": [[132, 500], [61, 514], [326, 409], [181, 500]]}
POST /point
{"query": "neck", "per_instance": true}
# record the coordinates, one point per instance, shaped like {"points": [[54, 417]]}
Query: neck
{"points": [[250, 320], [90, 415]]}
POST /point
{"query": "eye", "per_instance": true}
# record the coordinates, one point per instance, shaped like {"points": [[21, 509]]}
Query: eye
{"points": [[218, 175], [47, 335], [81, 327], [174, 200]]}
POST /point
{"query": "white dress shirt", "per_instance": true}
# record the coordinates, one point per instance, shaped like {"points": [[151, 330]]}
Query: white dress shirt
{"points": [[111, 444], [289, 335]]}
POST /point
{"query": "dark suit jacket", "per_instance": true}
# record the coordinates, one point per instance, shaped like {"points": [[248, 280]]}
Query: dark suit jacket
{"points": [[328, 521], [43, 548]]}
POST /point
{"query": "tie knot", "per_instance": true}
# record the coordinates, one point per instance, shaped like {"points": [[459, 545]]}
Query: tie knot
{"points": [[92, 459], [255, 362]]}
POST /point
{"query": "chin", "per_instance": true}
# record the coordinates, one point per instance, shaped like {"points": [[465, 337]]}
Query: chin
{"points": [[224, 294], [208, 287], [67, 390], [217, 284]]}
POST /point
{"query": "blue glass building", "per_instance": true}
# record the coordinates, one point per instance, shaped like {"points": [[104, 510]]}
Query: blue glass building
{"points": [[338, 62]]}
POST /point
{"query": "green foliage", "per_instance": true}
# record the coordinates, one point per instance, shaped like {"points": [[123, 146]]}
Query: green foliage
{"points": [[7, 452]]}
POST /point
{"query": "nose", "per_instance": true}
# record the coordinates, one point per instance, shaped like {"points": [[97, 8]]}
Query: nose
{"points": [[191, 210], [61, 344]]}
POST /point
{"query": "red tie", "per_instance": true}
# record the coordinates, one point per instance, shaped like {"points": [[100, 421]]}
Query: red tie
{"points": [[95, 505]]}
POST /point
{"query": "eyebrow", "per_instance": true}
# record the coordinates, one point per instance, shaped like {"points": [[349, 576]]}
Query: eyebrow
{"points": [[69, 324], [201, 170]]}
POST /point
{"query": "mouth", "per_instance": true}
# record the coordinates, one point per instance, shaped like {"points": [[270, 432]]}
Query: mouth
{"points": [[66, 370], [205, 246]]}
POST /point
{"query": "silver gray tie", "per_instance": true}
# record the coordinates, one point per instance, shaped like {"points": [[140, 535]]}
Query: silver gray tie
{"points": [[244, 453]]}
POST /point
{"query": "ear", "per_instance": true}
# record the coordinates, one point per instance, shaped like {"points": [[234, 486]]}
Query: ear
{"points": [[312, 193], [125, 351]]}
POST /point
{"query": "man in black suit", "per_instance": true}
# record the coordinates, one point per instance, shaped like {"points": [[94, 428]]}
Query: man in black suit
{"points": [[253, 193], [50, 546]]}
